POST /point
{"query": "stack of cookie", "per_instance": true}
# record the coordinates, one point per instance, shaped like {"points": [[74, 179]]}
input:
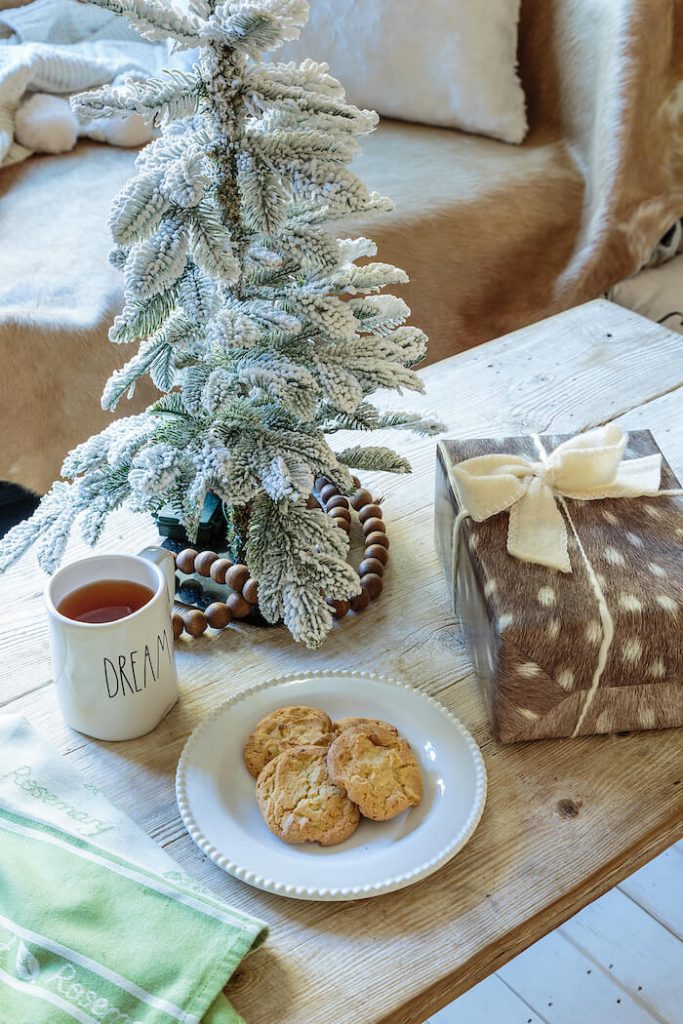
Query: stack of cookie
{"points": [[315, 778]]}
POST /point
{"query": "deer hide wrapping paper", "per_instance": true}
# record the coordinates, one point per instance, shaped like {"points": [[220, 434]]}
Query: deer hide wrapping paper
{"points": [[534, 634]]}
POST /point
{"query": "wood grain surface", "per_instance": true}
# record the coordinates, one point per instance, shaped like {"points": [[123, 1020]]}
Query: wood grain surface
{"points": [[565, 819]]}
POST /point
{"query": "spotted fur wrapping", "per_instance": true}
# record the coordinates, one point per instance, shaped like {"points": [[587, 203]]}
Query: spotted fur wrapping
{"points": [[535, 634]]}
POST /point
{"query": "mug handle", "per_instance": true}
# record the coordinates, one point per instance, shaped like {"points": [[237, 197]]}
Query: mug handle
{"points": [[166, 562]]}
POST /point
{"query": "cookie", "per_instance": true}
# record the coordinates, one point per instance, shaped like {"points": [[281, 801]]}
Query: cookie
{"points": [[293, 726], [377, 770], [299, 802], [343, 724]]}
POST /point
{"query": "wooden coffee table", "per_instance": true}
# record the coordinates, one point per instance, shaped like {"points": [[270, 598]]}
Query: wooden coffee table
{"points": [[565, 820]]}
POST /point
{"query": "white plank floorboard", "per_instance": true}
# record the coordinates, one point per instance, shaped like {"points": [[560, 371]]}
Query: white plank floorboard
{"points": [[489, 1002], [555, 978], [618, 961], [658, 888], [641, 955]]}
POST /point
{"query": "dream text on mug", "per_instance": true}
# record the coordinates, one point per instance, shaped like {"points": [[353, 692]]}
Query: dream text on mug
{"points": [[116, 679], [131, 672]]}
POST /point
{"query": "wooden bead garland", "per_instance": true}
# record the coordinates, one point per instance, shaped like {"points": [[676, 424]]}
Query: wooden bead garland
{"points": [[219, 614], [377, 551], [219, 570], [239, 607], [185, 560], [244, 598], [236, 577], [371, 569]]}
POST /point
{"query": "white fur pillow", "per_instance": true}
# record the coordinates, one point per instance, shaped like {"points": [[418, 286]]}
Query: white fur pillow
{"points": [[444, 62]]}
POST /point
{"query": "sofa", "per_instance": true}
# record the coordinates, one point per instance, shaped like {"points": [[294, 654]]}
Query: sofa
{"points": [[493, 236]]}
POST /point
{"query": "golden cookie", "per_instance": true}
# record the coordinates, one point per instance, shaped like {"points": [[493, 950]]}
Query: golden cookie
{"points": [[342, 724], [377, 770], [293, 726], [300, 804]]}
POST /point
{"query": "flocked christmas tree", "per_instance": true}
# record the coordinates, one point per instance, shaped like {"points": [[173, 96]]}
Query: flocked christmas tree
{"points": [[257, 325]]}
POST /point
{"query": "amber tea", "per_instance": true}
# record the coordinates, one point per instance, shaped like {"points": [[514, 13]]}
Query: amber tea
{"points": [[105, 601]]}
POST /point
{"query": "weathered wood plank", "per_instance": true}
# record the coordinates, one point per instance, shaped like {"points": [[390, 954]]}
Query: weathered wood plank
{"points": [[498, 895], [565, 373], [663, 416]]}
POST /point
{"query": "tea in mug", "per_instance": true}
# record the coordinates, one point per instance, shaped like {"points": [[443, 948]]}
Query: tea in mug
{"points": [[105, 601]]}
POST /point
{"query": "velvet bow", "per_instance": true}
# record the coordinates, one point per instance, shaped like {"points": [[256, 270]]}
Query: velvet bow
{"points": [[587, 467]]}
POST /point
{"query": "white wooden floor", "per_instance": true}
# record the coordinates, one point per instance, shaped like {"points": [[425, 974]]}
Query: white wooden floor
{"points": [[619, 961]]}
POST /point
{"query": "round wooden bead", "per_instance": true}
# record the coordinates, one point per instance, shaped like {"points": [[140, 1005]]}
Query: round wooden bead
{"points": [[250, 591], [312, 502], [320, 482], [342, 523], [339, 608], [195, 622], [328, 491], [238, 606], [360, 601], [378, 552], [374, 525], [219, 569], [178, 625], [356, 481], [340, 513], [185, 560], [360, 498], [371, 565], [376, 538], [218, 615], [237, 577], [372, 584], [370, 512], [204, 561], [338, 501]]}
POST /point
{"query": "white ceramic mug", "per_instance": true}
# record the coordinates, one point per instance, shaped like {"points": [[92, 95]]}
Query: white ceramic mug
{"points": [[115, 680]]}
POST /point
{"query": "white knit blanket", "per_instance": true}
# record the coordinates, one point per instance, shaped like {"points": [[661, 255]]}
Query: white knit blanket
{"points": [[62, 47]]}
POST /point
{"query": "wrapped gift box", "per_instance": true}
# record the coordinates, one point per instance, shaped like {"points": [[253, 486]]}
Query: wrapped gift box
{"points": [[537, 636]]}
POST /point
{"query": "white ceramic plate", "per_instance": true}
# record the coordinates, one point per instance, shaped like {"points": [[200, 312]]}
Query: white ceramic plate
{"points": [[217, 802]]}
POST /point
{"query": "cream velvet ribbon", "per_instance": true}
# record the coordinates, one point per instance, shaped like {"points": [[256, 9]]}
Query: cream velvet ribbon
{"points": [[587, 467]]}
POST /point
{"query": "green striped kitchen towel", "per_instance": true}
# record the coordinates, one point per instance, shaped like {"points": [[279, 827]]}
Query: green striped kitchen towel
{"points": [[97, 924]]}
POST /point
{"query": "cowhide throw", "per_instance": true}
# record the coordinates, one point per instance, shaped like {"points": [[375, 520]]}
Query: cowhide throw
{"points": [[535, 634]]}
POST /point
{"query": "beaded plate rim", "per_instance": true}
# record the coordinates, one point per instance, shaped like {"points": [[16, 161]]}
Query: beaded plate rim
{"points": [[391, 884]]}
